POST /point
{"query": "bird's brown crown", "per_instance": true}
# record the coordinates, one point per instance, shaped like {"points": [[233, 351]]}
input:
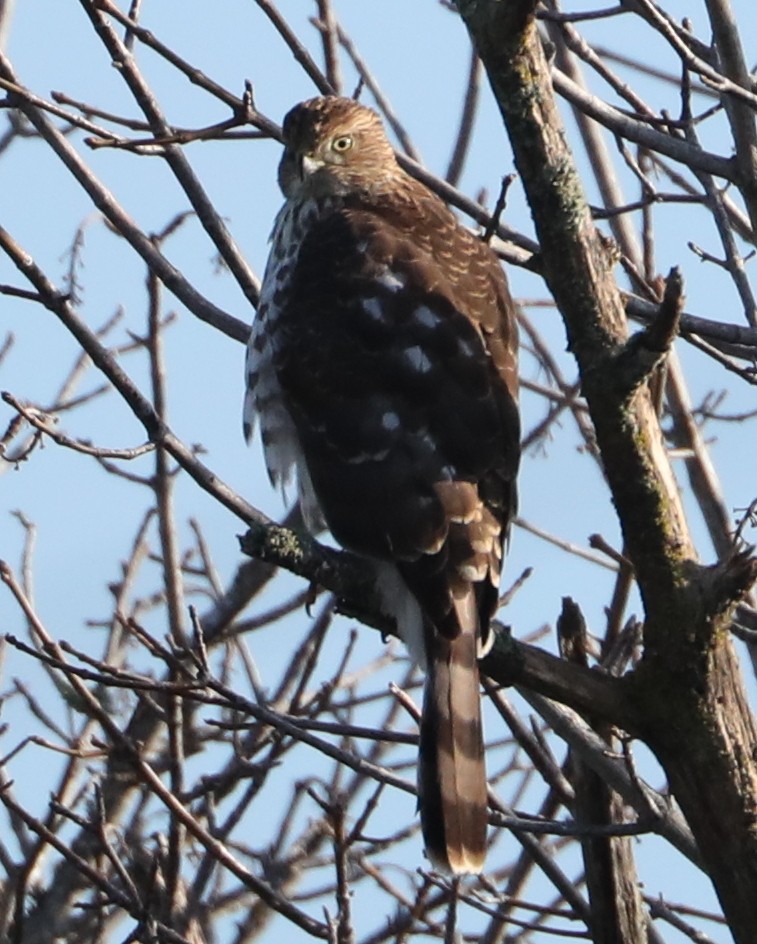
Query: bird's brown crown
{"points": [[331, 146]]}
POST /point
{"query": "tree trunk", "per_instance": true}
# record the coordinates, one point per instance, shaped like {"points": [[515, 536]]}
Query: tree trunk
{"points": [[686, 696]]}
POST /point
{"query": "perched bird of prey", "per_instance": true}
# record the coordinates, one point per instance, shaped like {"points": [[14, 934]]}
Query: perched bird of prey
{"points": [[383, 368]]}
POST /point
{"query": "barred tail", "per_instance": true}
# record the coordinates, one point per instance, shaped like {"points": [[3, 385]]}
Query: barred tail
{"points": [[451, 771]]}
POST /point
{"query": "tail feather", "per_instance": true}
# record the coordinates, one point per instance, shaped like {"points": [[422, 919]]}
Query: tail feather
{"points": [[451, 773]]}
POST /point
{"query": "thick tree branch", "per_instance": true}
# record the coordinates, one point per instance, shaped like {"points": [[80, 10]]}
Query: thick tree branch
{"points": [[510, 662], [687, 690]]}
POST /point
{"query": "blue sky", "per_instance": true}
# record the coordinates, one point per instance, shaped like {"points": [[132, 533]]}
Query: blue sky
{"points": [[418, 51]]}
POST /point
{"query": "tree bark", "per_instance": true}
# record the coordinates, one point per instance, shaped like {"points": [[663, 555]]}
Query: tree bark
{"points": [[686, 697]]}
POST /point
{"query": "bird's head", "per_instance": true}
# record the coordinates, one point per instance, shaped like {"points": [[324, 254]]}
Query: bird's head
{"points": [[333, 146]]}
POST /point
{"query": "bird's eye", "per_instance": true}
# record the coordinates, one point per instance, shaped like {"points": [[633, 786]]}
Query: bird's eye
{"points": [[341, 144]]}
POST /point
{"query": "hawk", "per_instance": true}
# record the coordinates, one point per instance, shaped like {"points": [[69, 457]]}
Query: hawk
{"points": [[382, 366]]}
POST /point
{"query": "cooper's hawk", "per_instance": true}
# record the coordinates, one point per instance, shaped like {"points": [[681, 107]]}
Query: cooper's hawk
{"points": [[383, 367]]}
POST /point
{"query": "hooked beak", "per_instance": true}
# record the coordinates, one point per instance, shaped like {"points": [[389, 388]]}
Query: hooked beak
{"points": [[306, 165], [295, 169]]}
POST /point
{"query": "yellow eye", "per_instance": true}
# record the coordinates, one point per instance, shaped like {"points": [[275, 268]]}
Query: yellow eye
{"points": [[341, 144]]}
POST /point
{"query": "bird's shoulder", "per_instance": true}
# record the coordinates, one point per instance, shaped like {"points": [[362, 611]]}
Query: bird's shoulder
{"points": [[410, 230]]}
